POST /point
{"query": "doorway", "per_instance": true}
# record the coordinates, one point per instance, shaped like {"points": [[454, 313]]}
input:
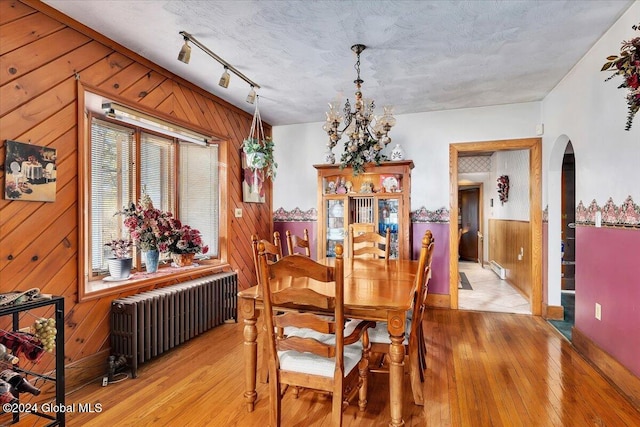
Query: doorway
{"points": [[534, 246]]}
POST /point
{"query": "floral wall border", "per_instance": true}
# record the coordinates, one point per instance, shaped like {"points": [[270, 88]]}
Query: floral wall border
{"points": [[627, 215], [421, 215], [295, 215]]}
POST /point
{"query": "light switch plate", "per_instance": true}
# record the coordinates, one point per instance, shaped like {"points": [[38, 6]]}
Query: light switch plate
{"points": [[238, 212]]}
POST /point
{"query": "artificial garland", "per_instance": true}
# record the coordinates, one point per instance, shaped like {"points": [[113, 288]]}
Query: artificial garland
{"points": [[628, 66]]}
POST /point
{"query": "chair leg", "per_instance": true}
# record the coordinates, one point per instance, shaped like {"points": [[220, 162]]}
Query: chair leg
{"points": [[363, 370], [275, 402], [337, 407]]}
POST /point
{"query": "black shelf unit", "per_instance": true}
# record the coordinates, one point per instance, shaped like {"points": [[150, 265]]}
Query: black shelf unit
{"points": [[58, 302]]}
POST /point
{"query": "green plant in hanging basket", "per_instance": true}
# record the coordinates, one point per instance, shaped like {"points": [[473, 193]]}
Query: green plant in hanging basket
{"points": [[260, 155]]}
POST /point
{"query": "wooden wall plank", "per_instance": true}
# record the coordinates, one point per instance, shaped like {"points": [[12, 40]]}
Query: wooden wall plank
{"points": [[43, 109], [26, 59]]}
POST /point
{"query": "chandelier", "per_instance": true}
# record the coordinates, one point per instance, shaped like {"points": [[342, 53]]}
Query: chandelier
{"points": [[367, 134]]}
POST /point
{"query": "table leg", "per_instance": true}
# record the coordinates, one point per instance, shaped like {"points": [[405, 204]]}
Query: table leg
{"points": [[250, 351], [395, 324]]}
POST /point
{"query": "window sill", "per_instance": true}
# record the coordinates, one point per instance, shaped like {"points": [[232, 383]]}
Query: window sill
{"points": [[164, 276]]}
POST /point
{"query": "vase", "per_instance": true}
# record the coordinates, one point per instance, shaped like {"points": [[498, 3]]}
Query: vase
{"points": [[182, 260], [397, 153], [119, 268], [151, 260]]}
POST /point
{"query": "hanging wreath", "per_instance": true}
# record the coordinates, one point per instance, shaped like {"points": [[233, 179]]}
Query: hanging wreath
{"points": [[503, 188], [628, 66], [259, 148]]}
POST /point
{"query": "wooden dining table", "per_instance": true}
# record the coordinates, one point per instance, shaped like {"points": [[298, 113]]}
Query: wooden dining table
{"points": [[377, 290]]}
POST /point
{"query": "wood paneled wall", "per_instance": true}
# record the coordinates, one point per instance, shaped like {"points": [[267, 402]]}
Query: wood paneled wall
{"points": [[506, 237], [42, 52]]}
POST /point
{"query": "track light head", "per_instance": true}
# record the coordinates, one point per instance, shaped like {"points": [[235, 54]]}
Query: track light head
{"points": [[185, 52], [224, 78], [251, 98]]}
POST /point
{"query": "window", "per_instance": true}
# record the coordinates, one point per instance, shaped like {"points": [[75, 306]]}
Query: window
{"points": [[122, 159]]}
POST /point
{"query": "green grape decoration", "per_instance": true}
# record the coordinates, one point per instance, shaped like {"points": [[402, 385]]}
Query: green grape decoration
{"points": [[45, 330]]}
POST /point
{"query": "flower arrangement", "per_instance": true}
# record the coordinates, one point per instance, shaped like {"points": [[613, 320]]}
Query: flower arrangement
{"points": [[503, 188], [150, 228], [120, 248], [628, 66], [260, 155], [186, 240]]}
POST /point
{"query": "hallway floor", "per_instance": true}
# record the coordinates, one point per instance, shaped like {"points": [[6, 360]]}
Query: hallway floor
{"points": [[489, 292]]}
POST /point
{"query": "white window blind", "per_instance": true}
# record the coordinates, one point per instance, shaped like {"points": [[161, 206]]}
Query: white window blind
{"points": [[111, 186], [199, 191], [157, 166]]}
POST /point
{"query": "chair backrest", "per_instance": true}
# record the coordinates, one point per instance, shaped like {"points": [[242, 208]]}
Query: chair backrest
{"points": [[292, 273], [294, 241], [368, 244], [273, 251], [423, 274], [15, 168]]}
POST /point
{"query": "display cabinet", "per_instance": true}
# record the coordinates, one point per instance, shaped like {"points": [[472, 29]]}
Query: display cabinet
{"points": [[56, 410], [375, 200]]}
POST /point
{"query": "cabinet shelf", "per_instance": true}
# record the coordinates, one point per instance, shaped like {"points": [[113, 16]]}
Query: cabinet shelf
{"points": [[58, 304]]}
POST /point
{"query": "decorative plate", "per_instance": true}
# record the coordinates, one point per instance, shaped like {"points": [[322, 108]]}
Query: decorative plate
{"points": [[390, 184]]}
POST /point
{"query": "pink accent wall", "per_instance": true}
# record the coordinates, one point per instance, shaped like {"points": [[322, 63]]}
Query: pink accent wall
{"points": [[608, 272], [439, 283], [297, 228]]}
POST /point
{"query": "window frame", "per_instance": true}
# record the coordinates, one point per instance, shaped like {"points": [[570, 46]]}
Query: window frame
{"points": [[88, 286]]}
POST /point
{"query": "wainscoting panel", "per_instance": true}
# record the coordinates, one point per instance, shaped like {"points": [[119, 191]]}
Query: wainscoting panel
{"points": [[509, 246]]}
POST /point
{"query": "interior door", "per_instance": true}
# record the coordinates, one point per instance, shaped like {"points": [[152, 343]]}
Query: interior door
{"points": [[469, 202]]}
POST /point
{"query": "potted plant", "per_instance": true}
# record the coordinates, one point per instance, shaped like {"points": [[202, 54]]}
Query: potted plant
{"points": [[260, 155], [150, 229], [185, 242], [120, 262]]}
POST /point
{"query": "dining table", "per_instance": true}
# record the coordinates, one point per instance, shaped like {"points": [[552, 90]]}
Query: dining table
{"points": [[374, 289]]}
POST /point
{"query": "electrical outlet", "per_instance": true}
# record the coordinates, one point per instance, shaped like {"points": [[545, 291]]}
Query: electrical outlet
{"points": [[105, 381], [598, 311], [238, 212]]}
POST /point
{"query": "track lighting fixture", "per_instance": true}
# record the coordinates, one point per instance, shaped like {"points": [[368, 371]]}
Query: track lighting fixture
{"points": [[185, 55], [224, 78], [251, 98], [185, 52]]}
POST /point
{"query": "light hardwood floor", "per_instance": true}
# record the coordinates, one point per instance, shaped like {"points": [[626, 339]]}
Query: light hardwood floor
{"points": [[484, 369]]}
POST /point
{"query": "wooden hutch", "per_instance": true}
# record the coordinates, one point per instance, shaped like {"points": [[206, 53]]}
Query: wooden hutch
{"points": [[377, 199]]}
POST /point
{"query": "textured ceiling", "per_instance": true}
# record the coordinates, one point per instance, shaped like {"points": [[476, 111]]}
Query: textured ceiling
{"points": [[420, 56]]}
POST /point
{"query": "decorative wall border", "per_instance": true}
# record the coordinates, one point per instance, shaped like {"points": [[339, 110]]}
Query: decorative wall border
{"points": [[423, 215], [626, 215], [297, 214]]}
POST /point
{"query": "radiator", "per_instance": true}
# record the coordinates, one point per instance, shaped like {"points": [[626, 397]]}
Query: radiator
{"points": [[498, 269], [146, 325]]}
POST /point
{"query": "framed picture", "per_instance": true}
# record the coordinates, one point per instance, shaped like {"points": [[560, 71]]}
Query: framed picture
{"points": [[30, 172], [252, 182]]}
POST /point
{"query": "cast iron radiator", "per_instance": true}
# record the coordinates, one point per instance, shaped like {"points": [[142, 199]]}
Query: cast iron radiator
{"points": [[146, 325]]}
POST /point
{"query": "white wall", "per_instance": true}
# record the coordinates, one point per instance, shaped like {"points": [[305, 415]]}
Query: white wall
{"points": [[425, 138], [591, 113]]}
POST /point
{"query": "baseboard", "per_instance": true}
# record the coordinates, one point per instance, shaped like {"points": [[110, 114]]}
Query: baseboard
{"points": [[85, 370], [623, 379], [553, 312], [438, 300]]}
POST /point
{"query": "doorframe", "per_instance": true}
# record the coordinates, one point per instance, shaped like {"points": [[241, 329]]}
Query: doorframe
{"points": [[534, 145]]}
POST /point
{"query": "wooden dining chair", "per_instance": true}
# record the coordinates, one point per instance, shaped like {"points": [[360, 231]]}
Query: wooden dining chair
{"points": [[273, 251], [324, 359], [414, 343], [294, 241], [368, 244]]}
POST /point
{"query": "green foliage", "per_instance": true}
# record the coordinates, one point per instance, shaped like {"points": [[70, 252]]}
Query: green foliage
{"points": [[251, 146]]}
